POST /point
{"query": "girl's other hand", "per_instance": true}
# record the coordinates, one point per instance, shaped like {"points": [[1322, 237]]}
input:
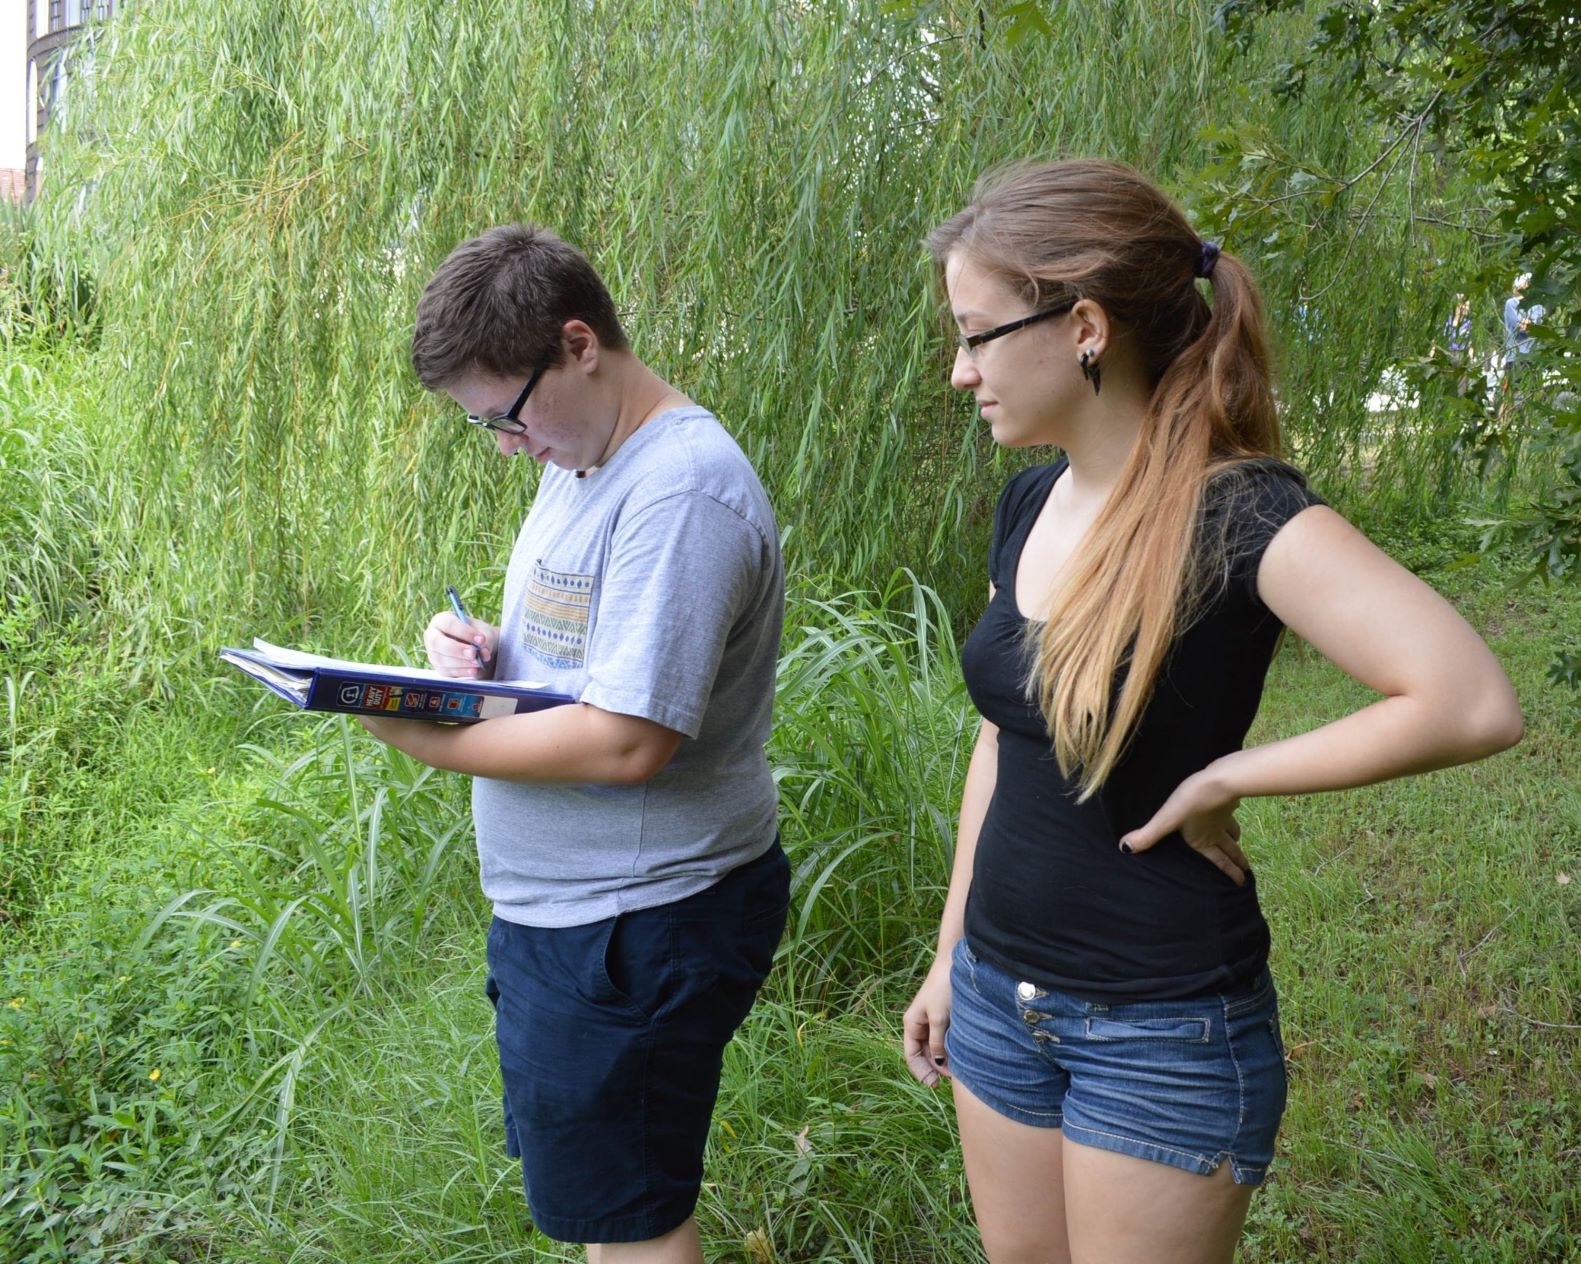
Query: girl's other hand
{"points": [[927, 1019]]}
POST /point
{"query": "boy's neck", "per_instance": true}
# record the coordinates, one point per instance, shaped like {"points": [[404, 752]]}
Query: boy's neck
{"points": [[641, 395]]}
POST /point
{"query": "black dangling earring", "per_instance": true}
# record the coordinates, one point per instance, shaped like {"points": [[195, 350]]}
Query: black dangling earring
{"points": [[1090, 369]]}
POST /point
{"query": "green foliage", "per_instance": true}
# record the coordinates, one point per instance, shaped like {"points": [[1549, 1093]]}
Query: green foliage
{"points": [[218, 435], [156, 1059], [50, 516], [102, 1120], [757, 207], [1479, 106], [870, 727], [44, 294], [46, 750], [350, 844]]}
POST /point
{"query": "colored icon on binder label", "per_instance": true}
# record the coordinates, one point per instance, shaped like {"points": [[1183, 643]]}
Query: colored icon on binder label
{"points": [[466, 705], [374, 697]]}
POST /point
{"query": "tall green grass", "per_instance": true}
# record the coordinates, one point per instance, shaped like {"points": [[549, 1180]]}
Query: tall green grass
{"points": [[867, 751], [300, 960]]}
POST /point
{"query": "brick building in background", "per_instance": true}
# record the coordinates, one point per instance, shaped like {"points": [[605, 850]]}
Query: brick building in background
{"points": [[53, 27]]}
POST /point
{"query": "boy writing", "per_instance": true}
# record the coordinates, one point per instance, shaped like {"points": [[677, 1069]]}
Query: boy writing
{"points": [[627, 841]]}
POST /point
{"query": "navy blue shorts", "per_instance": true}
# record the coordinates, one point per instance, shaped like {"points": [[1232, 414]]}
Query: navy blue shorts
{"points": [[1188, 1083], [611, 1037]]}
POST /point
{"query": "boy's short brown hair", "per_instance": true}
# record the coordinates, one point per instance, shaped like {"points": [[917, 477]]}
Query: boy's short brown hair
{"points": [[498, 302]]}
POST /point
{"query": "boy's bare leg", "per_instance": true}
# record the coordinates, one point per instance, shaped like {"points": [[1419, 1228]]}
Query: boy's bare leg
{"points": [[681, 1245]]}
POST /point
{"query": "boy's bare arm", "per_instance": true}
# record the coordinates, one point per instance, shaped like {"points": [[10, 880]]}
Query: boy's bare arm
{"points": [[575, 744]]}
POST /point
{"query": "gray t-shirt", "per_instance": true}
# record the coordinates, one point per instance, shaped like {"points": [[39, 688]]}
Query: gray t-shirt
{"points": [[652, 587]]}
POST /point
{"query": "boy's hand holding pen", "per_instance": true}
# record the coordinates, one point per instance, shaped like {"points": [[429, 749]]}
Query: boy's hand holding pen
{"points": [[459, 645]]}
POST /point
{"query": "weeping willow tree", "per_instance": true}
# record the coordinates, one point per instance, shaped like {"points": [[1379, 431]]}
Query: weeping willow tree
{"points": [[260, 190]]}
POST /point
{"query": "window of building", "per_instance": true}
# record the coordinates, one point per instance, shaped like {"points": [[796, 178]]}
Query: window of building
{"points": [[32, 96]]}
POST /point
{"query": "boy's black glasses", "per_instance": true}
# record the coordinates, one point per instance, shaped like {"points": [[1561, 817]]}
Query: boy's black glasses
{"points": [[970, 342], [507, 422]]}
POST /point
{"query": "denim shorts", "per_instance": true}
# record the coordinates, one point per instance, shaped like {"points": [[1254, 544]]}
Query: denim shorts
{"points": [[1188, 1083], [611, 1037]]}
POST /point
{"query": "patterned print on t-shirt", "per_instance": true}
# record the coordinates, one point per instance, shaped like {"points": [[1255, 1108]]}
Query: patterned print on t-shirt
{"points": [[555, 616]]}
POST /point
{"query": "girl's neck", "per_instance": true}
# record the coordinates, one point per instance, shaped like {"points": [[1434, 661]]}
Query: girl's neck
{"points": [[1099, 447]]}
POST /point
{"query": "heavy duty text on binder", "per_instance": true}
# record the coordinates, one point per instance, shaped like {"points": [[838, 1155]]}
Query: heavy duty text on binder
{"points": [[316, 683]]}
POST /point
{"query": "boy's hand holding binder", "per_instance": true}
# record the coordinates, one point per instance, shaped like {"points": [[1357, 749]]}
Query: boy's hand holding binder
{"points": [[460, 649]]}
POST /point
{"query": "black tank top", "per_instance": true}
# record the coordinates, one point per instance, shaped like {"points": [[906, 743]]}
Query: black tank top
{"points": [[1053, 900]]}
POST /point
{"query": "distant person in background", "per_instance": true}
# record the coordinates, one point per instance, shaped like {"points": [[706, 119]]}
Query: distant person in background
{"points": [[1101, 998], [1455, 342], [1518, 341], [1512, 316]]}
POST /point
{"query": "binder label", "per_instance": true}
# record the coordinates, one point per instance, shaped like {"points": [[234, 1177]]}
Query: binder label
{"points": [[445, 703], [383, 698]]}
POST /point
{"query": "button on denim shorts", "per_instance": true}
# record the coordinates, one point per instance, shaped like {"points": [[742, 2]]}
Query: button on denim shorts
{"points": [[1188, 1083]]}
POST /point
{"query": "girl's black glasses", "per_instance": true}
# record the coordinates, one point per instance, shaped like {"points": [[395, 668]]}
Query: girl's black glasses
{"points": [[970, 342]]}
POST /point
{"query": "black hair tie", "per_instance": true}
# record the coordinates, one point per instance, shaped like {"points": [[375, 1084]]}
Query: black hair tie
{"points": [[1209, 257]]}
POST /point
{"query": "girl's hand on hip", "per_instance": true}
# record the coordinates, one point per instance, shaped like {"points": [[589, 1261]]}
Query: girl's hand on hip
{"points": [[1204, 815]]}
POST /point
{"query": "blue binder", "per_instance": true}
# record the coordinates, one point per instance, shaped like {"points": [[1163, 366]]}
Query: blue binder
{"points": [[316, 683]]}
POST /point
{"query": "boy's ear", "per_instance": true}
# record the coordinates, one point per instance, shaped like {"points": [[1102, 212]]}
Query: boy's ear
{"points": [[580, 343]]}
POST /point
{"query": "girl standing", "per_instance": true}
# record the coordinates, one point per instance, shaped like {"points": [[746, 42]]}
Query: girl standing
{"points": [[1101, 1000]]}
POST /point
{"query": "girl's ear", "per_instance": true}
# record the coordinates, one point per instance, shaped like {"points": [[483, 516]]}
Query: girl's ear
{"points": [[1090, 328]]}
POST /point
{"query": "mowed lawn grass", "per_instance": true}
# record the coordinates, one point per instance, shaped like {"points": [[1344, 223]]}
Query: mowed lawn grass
{"points": [[1426, 937], [1425, 943]]}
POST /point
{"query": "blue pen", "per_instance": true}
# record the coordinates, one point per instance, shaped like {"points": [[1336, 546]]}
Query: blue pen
{"points": [[461, 613]]}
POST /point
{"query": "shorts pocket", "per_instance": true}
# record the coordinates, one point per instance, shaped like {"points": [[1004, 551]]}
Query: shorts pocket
{"points": [[1261, 995], [1192, 1031], [1278, 1033], [962, 958], [634, 959], [768, 902]]}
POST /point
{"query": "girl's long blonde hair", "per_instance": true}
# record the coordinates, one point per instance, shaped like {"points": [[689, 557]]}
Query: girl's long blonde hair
{"points": [[1101, 231]]}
